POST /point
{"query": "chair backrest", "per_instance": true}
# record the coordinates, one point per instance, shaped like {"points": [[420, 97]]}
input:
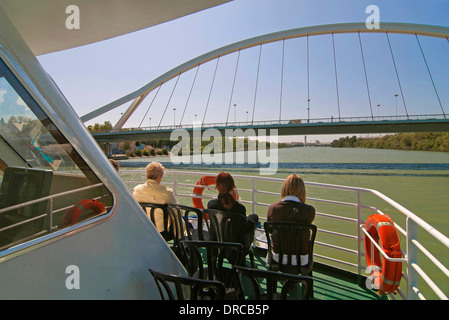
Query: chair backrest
{"points": [[212, 260], [150, 209], [187, 288], [226, 226], [286, 241], [279, 286], [187, 216]]}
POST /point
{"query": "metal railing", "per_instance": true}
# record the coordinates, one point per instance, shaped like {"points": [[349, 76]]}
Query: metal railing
{"points": [[411, 245], [48, 214]]}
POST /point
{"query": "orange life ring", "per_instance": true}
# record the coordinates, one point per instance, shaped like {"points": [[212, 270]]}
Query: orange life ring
{"points": [[381, 227], [72, 215], [198, 191]]}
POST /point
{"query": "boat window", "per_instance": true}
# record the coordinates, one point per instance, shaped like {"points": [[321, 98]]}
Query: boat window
{"points": [[45, 185]]}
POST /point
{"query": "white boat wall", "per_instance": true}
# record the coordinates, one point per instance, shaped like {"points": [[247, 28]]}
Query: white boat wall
{"points": [[106, 257]]}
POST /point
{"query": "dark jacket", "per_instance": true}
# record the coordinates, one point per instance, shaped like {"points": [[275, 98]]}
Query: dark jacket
{"points": [[280, 210], [252, 219]]}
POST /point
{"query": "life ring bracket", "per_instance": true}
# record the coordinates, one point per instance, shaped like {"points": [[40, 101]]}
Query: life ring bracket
{"points": [[374, 242], [386, 272]]}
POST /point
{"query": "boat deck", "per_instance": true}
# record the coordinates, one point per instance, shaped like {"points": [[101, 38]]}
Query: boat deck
{"points": [[329, 283]]}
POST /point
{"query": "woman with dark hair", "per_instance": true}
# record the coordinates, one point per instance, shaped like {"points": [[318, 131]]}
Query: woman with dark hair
{"points": [[224, 183]]}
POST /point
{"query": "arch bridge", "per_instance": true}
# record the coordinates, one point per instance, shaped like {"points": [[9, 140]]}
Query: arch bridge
{"points": [[328, 79]]}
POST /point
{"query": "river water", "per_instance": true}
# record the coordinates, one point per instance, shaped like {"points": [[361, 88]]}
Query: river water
{"points": [[417, 180]]}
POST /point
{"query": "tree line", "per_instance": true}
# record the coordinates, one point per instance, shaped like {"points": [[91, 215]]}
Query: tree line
{"points": [[419, 141]]}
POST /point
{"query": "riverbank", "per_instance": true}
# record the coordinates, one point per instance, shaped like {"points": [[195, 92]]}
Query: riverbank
{"points": [[418, 141]]}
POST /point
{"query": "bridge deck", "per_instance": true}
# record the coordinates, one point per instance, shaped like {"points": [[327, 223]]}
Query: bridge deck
{"points": [[300, 127]]}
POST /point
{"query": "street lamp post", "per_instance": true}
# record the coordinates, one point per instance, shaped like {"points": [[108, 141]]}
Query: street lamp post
{"points": [[396, 95], [174, 117], [235, 113], [308, 110]]}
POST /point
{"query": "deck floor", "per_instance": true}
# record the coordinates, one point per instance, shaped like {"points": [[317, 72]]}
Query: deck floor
{"points": [[327, 286]]}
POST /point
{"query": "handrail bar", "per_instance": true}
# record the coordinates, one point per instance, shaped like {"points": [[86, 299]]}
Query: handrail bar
{"points": [[60, 194], [427, 227], [43, 215], [429, 281], [374, 242], [431, 257]]}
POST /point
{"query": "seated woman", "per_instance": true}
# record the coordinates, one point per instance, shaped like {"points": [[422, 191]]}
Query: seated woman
{"points": [[225, 201], [154, 192], [292, 207]]}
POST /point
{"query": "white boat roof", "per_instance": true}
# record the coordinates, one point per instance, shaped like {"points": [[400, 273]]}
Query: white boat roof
{"points": [[42, 23]]}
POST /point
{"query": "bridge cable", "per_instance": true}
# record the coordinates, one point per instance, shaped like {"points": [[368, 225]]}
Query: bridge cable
{"points": [[282, 81], [171, 95], [233, 86], [397, 75], [257, 82], [308, 83], [210, 91], [149, 107], [430, 75], [190, 93], [336, 78], [366, 77]]}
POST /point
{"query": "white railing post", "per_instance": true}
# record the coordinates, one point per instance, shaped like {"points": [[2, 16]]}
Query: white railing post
{"points": [[175, 184], [253, 195], [412, 258], [50, 215], [359, 235]]}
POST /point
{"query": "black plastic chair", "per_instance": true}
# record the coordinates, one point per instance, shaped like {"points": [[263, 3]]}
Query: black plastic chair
{"points": [[187, 288], [174, 232], [291, 287], [188, 214], [286, 239], [150, 208], [213, 260], [225, 226]]}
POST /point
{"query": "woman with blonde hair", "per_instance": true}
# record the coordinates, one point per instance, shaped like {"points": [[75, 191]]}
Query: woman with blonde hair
{"points": [[153, 191], [292, 207]]}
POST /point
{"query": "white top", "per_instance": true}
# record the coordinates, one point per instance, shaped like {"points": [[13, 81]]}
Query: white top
{"points": [[152, 191], [291, 198]]}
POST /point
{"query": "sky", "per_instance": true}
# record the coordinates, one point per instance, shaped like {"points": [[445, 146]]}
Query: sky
{"points": [[94, 75]]}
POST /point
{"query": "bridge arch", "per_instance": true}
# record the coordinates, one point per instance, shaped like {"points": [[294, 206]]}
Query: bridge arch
{"points": [[139, 95]]}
